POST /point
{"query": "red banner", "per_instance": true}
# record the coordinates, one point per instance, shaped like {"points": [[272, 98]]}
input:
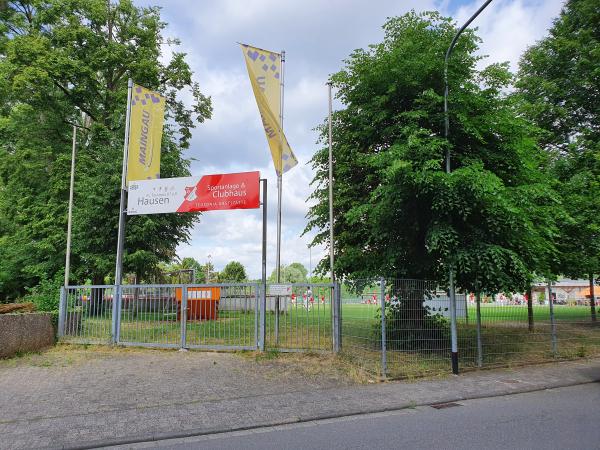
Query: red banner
{"points": [[223, 191]]}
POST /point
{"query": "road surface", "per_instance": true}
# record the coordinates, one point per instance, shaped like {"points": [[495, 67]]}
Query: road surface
{"points": [[563, 418]]}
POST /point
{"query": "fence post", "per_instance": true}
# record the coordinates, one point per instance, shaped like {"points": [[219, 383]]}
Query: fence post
{"points": [[340, 318], [62, 311], [256, 315], [453, 328], [118, 299], [263, 307], [183, 316], [479, 343], [383, 336], [552, 321], [115, 302], [335, 308], [592, 298]]}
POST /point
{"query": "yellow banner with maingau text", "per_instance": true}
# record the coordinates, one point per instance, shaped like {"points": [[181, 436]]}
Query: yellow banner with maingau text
{"points": [[145, 134], [264, 70]]}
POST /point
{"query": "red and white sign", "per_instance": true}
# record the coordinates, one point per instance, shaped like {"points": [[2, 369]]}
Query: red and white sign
{"points": [[193, 194]]}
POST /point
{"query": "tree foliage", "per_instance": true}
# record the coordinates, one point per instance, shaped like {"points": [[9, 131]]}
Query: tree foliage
{"points": [[234, 272], [397, 213], [293, 273], [59, 57], [559, 83]]}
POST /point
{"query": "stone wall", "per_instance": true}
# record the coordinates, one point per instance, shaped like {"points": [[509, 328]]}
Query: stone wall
{"points": [[25, 333]]}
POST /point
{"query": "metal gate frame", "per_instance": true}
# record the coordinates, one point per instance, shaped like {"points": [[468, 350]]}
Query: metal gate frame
{"points": [[257, 343]]}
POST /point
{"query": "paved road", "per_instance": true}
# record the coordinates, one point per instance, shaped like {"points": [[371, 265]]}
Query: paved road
{"points": [[563, 418]]}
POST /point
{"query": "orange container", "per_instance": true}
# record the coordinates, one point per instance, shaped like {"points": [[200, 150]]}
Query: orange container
{"points": [[202, 303]]}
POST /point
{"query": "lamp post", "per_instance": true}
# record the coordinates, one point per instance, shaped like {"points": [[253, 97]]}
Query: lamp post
{"points": [[453, 331]]}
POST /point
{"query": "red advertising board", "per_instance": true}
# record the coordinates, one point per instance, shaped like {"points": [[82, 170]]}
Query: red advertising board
{"points": [[223, 191]]}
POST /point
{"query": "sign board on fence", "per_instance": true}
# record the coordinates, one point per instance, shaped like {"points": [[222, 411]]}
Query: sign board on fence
{"points": [[280, 289], [440, 304], [192, 194]]}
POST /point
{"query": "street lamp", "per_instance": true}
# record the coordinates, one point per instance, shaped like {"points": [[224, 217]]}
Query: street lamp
{"points": [[453, 331]]}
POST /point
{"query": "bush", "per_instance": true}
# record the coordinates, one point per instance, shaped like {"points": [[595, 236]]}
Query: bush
{"points": [[46, 295]]}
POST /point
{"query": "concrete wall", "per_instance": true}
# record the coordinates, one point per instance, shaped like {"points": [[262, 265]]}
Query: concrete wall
{"points": [[25, 333]]}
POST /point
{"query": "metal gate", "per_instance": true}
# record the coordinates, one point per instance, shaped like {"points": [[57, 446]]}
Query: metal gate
{"points": [[229, 316], [307, 319]]}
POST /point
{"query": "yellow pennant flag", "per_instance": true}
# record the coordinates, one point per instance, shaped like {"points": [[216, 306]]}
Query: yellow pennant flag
{"points": [[264, 70], [145, 133]]}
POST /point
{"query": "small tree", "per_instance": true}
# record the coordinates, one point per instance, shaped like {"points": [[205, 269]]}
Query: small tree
{"points": [[234, 271], [294, 273]]}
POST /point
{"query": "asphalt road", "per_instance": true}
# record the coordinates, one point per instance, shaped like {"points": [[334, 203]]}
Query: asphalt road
{"points": [[563, 418]]}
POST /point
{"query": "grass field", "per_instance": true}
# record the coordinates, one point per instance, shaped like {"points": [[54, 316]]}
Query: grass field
{"points": [[506, 338], [299, 328]]}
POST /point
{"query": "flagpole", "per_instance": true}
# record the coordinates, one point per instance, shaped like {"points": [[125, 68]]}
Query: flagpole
{"points": [[330, 188], [122, 210], [280, 172], [70, 216], [279, 192]]}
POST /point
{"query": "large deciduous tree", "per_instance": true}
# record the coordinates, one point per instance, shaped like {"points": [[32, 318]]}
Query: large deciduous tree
{"points": [[559, 80], [397, 213], [57, 58]]}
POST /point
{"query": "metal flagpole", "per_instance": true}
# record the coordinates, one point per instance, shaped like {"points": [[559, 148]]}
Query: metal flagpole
{"points": [[330, 189], [70, 216], [453, 331], [279, 194], [263, 296], [122, 210]]}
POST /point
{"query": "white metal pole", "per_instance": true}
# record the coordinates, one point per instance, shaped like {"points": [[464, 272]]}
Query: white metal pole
{"points": [[330, 189], [122, 211], [70, 215], [280, 172], [279, 193]]}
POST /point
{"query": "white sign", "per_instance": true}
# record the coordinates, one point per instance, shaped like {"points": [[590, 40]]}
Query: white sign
{"points": [[162, 195], [440, 304], [280, 289], [193, 194]]}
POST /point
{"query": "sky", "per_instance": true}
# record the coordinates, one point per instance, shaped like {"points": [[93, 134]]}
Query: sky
{"points": [[316, 36]]}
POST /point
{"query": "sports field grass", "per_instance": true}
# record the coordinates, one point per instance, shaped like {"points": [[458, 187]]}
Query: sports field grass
{"points": [[506, 338]]}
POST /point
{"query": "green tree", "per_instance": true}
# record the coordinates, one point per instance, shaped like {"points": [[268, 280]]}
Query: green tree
{"points": [[234, 271], [294, 273], [58, 57], [559, 83], [397, 213]]}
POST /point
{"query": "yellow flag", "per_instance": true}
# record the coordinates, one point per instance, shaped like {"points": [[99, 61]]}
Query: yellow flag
{"points": [[145, 134], [264, 70]]}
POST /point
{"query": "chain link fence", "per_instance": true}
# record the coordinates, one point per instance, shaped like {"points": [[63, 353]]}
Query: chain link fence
{"points": [[496, 331]]}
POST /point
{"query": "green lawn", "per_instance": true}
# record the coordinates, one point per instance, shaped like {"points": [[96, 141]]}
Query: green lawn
{"points": [[505, 335], [299, 328]]}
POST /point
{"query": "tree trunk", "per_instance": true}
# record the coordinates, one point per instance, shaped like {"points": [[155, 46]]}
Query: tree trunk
{"points": [[530, 309], [592, 299]]}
